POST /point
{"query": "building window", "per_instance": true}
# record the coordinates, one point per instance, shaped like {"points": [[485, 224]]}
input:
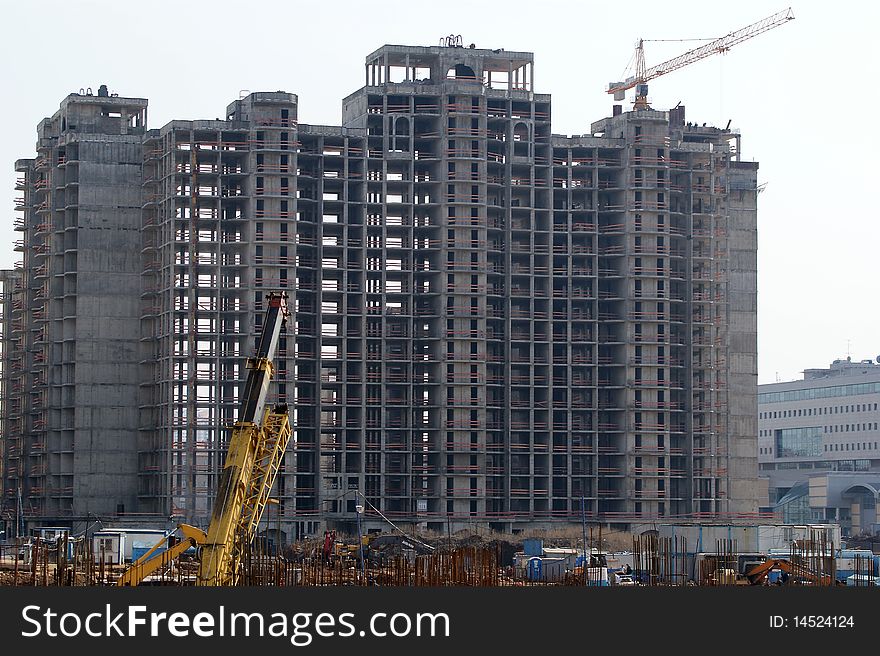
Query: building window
{"points": [[821, 393], [798, 442]]}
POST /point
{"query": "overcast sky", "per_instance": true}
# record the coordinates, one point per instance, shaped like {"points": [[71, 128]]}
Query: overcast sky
{"points": [[799, 94]]}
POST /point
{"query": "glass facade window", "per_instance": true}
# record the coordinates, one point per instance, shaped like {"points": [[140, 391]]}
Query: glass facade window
{"points": [[797, 511], [819, 393], [853, 465], [799, 442]]}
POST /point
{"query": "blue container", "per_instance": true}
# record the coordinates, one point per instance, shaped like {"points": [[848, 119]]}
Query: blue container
{"points": [[533, 547], [852, 553], [137, 552], [857, 579]]}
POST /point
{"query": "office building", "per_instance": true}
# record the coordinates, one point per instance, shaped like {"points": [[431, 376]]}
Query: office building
{"points": [[818, 445]]}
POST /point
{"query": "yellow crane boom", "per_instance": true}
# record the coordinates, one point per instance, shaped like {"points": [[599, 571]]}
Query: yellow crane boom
{"points": [[256, 448], [190, 536], [252, 462]]}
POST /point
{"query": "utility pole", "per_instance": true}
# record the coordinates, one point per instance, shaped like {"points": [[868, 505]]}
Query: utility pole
{"points": [[584, 525], [19, 516], [273, 501], [359, 509]]}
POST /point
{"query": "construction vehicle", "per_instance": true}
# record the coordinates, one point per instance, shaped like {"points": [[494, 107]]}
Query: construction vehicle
{"points": [[345, 549], [624, 579], [727, 576], [717, 46], [759, 573], [169, 549], [259, 439]]}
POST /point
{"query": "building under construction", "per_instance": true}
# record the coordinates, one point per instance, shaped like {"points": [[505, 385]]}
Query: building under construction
{"points": [[493, 325]]}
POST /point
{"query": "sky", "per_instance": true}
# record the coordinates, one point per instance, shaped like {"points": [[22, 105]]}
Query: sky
{"points": [[798, 94]]}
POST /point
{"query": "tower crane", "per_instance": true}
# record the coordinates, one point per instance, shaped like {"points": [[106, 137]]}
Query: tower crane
{"points": [[256, 448], [718, 46]]}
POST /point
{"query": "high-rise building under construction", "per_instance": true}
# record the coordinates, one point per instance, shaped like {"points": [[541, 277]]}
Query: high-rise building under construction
{"points": [[492, 324]]}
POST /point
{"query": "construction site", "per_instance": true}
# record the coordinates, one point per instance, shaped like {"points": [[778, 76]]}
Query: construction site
{"points": [[435, 345], [480, 561]]}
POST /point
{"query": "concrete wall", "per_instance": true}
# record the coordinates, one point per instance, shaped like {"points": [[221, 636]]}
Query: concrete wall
{"points": [[84, 314], [108, 269], [749, 537], [744, 491]]}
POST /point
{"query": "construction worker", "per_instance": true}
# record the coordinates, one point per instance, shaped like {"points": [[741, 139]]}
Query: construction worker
{"points": [[328, 546]]}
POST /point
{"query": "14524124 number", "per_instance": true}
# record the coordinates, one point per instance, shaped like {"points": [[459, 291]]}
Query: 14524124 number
{"points": [[823, 621]]}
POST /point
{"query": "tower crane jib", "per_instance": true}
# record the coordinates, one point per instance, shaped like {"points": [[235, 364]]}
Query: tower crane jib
{"points": [[720, 45]]}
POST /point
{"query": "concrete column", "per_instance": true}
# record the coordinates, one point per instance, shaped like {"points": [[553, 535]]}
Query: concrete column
{"points": [[409, 77]]}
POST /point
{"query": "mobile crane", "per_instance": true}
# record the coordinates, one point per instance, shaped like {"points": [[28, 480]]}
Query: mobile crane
{"points": [[259, 439]]}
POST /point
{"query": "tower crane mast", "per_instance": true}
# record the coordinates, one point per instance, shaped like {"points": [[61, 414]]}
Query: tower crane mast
{"points": [[718, 46]]}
